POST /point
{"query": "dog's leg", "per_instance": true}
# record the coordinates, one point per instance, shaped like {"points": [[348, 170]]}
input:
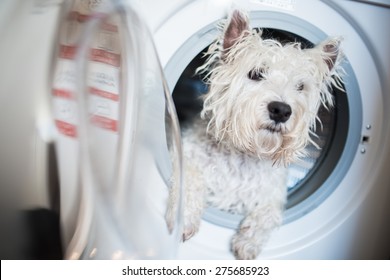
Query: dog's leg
{"points": [[194, 201], [172, 205], [255, 231]]}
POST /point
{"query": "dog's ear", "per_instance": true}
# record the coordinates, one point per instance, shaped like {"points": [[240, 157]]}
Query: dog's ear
{"points": [[330, 51], [236, 25]]}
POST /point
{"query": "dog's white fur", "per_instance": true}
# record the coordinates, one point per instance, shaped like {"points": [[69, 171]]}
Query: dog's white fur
{"points": [[235, 157]]}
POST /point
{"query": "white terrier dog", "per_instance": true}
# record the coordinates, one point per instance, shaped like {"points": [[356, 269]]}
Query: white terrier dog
{"points": [[258, 116]]}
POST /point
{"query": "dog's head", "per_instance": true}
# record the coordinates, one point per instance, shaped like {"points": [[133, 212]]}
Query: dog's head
{"points": [[263, 96]]}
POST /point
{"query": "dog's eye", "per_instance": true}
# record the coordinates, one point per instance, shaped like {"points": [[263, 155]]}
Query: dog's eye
{"points": [[256, 74], [300, 86]]}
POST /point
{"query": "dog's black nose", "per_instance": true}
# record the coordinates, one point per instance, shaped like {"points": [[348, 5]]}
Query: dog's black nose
{"points": [[279, 112]]}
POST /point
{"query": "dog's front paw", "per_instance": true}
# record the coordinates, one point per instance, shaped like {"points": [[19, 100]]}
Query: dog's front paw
{"points": [[244, 246], [189, 231], [191, 226], [170, 218]]}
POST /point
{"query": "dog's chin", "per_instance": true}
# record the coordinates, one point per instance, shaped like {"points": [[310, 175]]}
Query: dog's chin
{"points": [[270, 136], [268, 142], [277, 145]]}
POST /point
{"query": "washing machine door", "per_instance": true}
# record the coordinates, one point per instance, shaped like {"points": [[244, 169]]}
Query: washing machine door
{"points": [[118, 137], [329, 187]]}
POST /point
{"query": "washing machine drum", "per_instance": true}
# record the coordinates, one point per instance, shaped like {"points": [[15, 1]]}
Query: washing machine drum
{"points": [[306, 178]]}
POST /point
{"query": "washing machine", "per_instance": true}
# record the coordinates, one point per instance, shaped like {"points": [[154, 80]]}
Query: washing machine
{"points": [[338, 196]]}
